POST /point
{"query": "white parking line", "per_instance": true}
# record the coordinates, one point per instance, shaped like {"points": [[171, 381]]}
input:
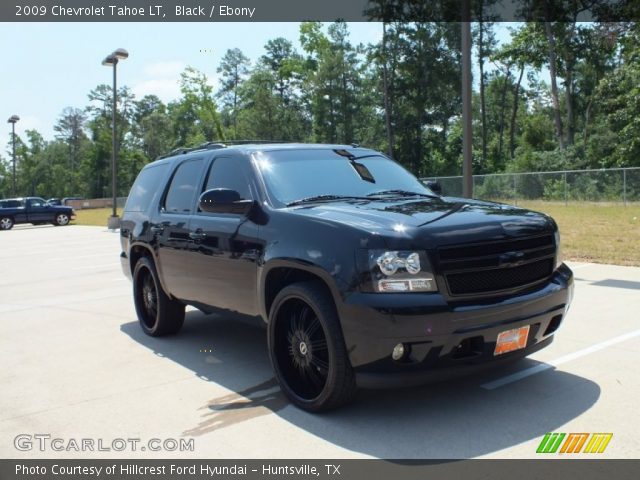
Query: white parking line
{"points": [[582, 265], [514, 377]]}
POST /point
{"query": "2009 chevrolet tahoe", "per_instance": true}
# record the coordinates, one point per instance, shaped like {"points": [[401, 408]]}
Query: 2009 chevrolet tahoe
{"points": [[362, 275]]}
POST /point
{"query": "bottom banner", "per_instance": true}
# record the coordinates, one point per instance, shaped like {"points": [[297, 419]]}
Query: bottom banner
{"points": [[583, 469]]}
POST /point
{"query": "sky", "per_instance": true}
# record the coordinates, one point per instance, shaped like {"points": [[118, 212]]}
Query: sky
{"points": [[51, 66]]}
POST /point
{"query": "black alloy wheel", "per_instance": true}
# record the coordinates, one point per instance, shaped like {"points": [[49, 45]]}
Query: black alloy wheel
{"points": [[158, 314], [307, 348]]}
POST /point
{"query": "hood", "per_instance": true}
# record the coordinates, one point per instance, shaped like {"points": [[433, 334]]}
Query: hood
{"points": [[431, 222]]}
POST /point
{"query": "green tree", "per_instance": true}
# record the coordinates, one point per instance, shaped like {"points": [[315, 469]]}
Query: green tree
{"points": [[234, 67], [195, 116]]}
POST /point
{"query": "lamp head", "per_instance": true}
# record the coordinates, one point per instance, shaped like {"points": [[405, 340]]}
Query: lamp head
{"points": [[121, 54], [109, 60]]}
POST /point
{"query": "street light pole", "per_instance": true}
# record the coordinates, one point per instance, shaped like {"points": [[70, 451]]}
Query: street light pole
{"points": [[114, 153], [112, 60], [13, 119], [467, 126]]}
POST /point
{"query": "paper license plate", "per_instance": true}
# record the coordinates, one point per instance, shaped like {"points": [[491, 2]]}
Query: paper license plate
{"points": [[511, 340]]}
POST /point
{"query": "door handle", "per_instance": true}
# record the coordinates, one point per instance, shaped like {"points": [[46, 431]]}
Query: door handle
{"points": [[197, 235], [156, 230]]}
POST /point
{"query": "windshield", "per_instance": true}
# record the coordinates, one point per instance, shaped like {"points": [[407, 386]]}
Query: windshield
{"points": [[293, 175]]}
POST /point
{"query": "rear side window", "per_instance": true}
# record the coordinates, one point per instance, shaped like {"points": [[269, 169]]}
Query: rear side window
{"points": [[185, 183], [145, 186]]}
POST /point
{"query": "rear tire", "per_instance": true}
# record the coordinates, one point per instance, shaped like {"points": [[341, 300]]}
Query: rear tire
{"points": [[307, 349], [6, 223], [157, 313]]}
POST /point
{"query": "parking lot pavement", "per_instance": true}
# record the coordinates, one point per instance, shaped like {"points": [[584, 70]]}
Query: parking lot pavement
{"points": [[76, 366]]}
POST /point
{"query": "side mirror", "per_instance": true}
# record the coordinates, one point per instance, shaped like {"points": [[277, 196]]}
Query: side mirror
{"points": [[434, 186], [224, 200]]}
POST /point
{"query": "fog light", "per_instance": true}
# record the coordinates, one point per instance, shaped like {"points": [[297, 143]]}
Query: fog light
{"points": [[399, 351]]}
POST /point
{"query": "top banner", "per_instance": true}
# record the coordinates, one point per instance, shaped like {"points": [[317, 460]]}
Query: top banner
{"points": [[318, 10]]}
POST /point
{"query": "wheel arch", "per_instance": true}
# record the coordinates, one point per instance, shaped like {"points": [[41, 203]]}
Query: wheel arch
{"points": [[283, 272], [139, 250]]}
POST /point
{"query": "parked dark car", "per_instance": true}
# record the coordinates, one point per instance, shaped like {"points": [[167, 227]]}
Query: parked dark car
{"points": [[362, 275], [33, 210]]}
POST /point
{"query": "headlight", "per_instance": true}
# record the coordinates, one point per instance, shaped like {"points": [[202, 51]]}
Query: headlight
{"points": [[401, 271], [558, 250], [390, 262]]}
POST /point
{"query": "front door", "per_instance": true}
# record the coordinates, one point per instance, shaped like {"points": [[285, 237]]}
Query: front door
{"points": [[38, 211], [224, 247]]}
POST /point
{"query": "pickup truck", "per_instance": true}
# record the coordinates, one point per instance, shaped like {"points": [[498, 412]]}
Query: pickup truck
{"points": [[33, 210]]}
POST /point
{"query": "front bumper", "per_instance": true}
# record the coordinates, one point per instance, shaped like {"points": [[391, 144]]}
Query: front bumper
{"points": [[445, 339]]}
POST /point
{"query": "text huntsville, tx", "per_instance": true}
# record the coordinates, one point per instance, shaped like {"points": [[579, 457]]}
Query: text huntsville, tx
{"points": [[156, 11]]}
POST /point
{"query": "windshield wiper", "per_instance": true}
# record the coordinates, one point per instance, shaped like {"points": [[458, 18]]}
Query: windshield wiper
{"points": [[323, 198], [400, 193]]}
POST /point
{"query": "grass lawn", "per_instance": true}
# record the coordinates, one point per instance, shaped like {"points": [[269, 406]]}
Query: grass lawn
{"points": [[594, 232], [591, 232], [94, 216]]}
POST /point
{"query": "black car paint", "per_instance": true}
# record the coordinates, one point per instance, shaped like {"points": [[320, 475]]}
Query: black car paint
{"points": [[232, 261]]}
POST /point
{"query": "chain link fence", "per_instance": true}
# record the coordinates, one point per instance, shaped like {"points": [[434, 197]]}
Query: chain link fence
{"points": [[607, 185]]}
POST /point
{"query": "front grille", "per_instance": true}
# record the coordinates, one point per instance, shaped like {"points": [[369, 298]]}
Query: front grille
{"points": [[497, 266], [499, 278]]}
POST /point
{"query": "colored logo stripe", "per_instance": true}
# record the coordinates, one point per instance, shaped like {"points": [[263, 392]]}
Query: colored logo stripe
{"points": [[550, 443], [574, 442], [598, 442]]}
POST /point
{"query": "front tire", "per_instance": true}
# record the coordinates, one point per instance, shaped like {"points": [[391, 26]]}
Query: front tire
{"points": [[307, 349], [157, 313], [6, 223], [61, 220]]}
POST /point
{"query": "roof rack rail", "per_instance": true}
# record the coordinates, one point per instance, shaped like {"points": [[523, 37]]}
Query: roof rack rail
{"points": [[177, 151], [216, 145], [249, 142]]}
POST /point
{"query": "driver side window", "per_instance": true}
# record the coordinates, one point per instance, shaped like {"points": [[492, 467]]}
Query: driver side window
{"points": [[227, 172]]}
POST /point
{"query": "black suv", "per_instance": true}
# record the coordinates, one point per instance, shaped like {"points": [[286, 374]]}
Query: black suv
{"points": [[362, 275]]}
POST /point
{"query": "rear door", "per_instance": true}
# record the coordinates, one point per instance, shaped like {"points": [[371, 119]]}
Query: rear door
{"points": [[171, 225], [224, 247]]}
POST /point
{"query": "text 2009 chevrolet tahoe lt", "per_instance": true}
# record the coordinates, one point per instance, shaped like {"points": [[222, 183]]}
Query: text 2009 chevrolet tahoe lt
{"points": [[362, 275]]}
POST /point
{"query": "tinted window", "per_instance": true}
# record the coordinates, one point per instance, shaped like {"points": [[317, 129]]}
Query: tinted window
{"points": [[229, 173], [184, 184], [11, 204], [145, 186], [295, 174]]}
